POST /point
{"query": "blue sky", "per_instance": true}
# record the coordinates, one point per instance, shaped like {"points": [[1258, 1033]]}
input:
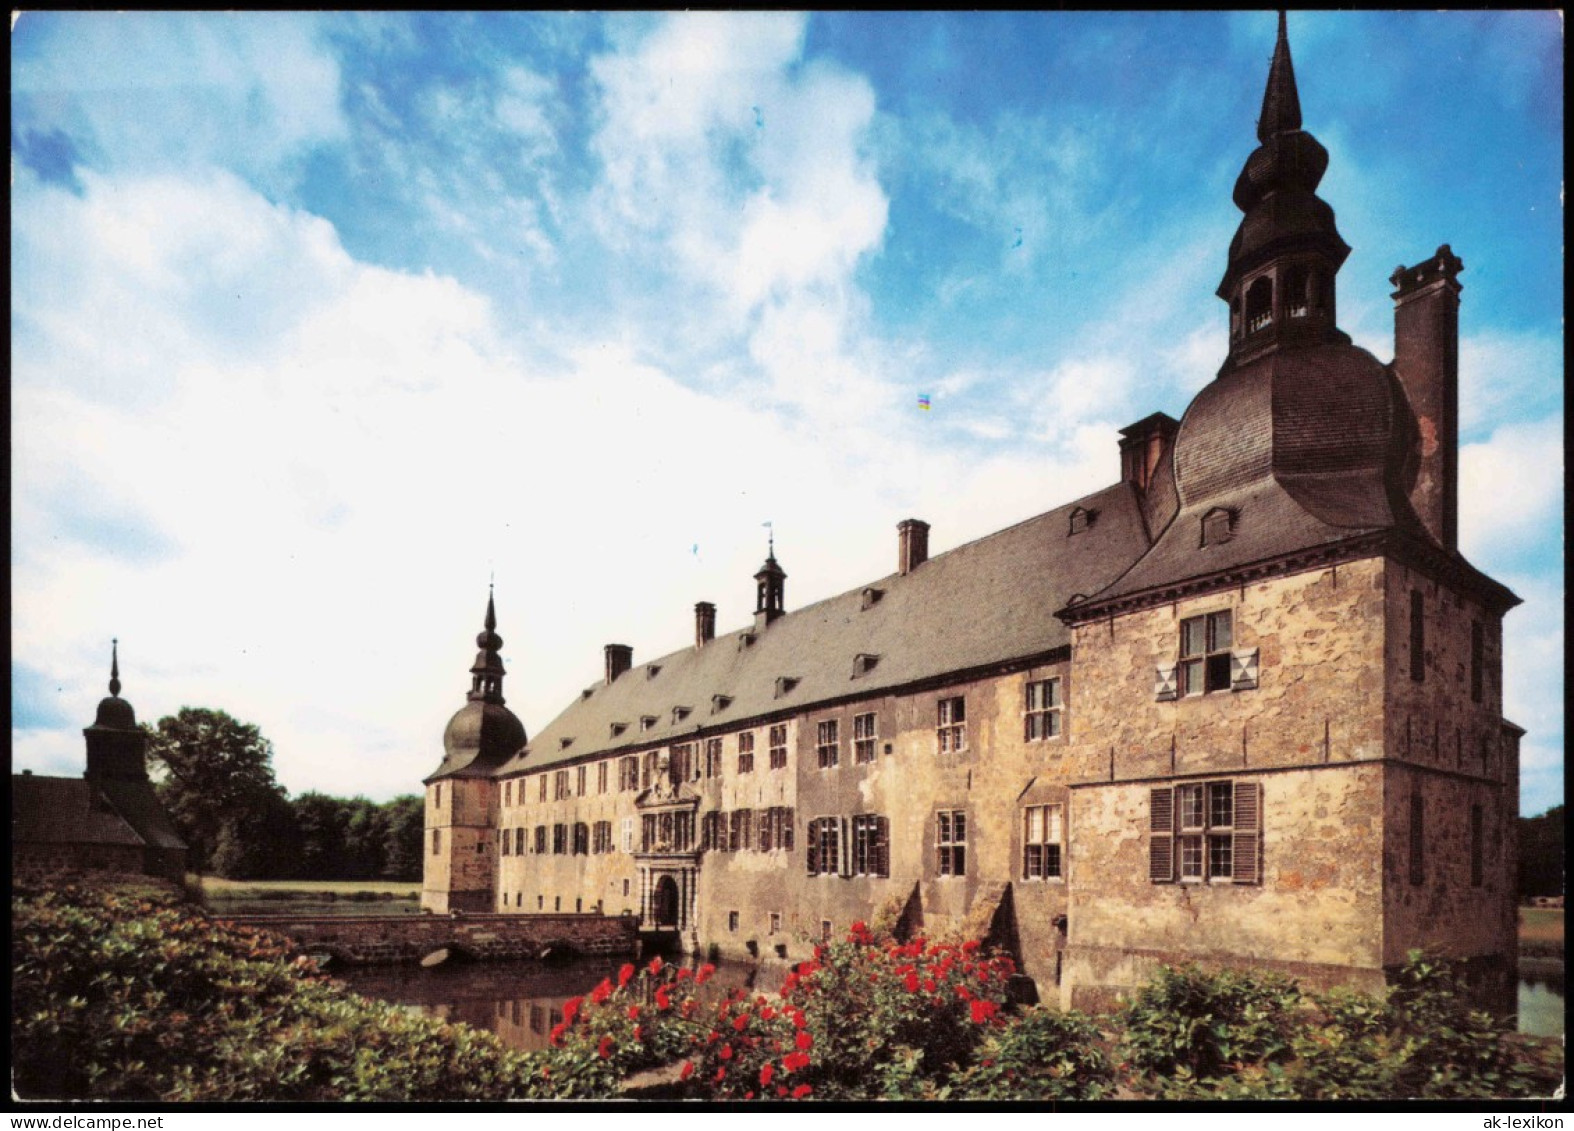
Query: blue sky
{"points": [[321, 320]]}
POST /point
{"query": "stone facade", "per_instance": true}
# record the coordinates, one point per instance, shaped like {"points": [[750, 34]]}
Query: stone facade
{"points": [[1242, 707]]}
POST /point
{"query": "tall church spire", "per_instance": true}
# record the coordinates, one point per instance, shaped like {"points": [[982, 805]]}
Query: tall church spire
{"points": [[1281, 103], [487, 672], [1279, 281], [114, 667]]}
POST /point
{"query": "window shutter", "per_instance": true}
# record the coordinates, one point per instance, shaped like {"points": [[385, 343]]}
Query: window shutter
{"points": [[813, 847], [1247, 839], [883, 840], [1161, 841], [1164, 684], [1243, 669], [845, 848]]}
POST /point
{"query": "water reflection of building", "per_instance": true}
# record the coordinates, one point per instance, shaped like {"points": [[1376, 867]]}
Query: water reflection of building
{"points": [[1244, 705]]}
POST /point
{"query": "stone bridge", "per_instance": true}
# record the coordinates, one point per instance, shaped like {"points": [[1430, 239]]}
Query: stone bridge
{"points": [[366, 939]]}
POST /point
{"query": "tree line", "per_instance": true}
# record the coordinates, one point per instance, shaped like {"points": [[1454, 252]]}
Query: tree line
{"points": [[215, 777]]}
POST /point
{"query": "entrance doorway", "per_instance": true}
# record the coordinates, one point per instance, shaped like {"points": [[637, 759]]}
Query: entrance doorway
{"points": [[664, 902]]}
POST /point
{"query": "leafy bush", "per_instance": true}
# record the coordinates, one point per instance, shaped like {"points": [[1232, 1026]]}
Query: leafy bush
{"points": [[1043, 1055], [1188, 1024], [130, 996], [1196, 1035]]}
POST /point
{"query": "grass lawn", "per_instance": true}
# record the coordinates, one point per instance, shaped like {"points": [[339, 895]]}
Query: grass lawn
{"points": [[1541, 930], [216, 888]]}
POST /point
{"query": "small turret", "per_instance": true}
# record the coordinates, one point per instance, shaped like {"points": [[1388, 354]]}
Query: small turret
{"points": [[771, 588], [116, 746]]}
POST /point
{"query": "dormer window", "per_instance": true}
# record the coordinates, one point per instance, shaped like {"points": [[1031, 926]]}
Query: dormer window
{"points": [[871, 597], [1218, 526], [719, 703], [647, 722], [864, 663], [651, 670], [785, 684], [679, 714], [1081, 519], [587, 693], [564, 743], [619, 728], [745, 640]]}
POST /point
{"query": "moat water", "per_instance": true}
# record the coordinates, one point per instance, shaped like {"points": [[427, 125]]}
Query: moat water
{"points": [[521, 1001]]}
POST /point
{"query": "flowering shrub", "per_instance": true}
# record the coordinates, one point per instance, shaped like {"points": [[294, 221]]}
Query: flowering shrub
{"points": [[1044, 1055], [128, 995]]}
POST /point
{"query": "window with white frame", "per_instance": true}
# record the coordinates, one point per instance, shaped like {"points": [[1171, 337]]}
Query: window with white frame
{"points": [[1207, 660], [952, 726], [864, 737], [1042, 834], [827, 747], [871, 845], [746, 752], [951, 842], [1205, 832], [1041, 713], [778, 746]]}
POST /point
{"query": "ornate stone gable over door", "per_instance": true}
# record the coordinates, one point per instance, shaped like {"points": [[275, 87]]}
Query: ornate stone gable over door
{"points": [[668, 855]]}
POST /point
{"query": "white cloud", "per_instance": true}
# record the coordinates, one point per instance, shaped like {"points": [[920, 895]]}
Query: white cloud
{"points": [[1507, 375], [254, 91], [1511, 490]]}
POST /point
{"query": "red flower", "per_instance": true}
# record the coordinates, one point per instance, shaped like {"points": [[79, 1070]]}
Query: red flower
{"points": [[741, 1023], [721, 1074], [688, 1070], [712, 1037], [639, 1032], [794, 1061], [765, 1076], [683, 972], [766, 1013], [726, 1052], [982, 1010], [859, 928], [625, 974], [929, 985], [662, 1000], [804, 1040], [655, 966], [911, 983], [704, 974], [633, 1013], [800, 1091], [571, 1008], [604, 1049], [969, 946], [780, 1091], [797, 1019], [557, 1034], [602, 992], [688, 1006]]}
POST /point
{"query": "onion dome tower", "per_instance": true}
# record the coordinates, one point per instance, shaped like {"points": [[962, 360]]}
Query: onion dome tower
{"points": [[116, 746], [484, 733], [1279, 282]]}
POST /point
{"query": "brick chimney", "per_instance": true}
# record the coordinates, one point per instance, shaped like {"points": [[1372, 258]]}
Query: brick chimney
{"points": [[1426, 360], [620, 657], [1144, 446], [704, 623], [912, 546]]}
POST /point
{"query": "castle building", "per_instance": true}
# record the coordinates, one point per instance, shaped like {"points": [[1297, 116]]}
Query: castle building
{"points": [[1243, 706], [109, 820]]}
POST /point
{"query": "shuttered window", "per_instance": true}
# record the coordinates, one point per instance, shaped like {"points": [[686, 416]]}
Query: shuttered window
{"points": [[1205, 832], [871, 851]]}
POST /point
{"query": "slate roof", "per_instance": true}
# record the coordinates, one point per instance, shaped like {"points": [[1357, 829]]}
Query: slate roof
{"points": [[986, 602], [49, 810]]}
